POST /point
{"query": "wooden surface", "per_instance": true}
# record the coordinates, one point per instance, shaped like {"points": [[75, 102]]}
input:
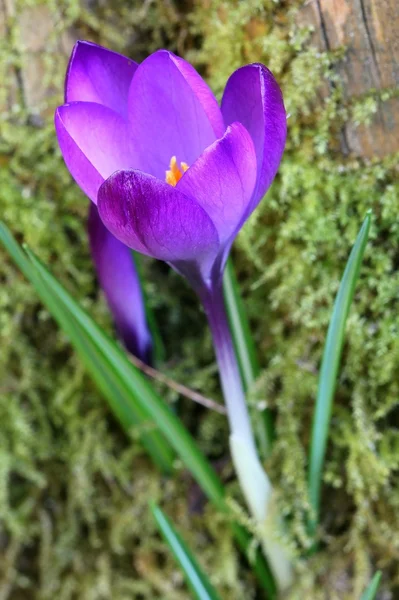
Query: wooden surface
{"points": [[369, 32], [367, 29]]}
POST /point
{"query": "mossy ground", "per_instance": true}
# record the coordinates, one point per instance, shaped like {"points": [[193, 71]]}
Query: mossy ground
{"points": [[73, 489]]}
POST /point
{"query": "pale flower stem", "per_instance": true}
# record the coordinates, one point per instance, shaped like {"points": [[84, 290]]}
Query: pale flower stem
{"points": [[229, 373], [252, 477]]}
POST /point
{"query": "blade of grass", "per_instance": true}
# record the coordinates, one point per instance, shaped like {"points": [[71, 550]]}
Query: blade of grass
{"points": [[256, 559], [84, 334], [329, 370], [246, 352], [114, 390], [196, 580], [371, 592]]}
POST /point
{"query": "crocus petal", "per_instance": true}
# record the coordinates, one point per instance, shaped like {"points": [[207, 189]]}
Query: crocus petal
{"points": [[96, 74], [253, 97], [172, 112], [203, 92], [94, 142], [222, 180], [121, 285], [154, 218]]}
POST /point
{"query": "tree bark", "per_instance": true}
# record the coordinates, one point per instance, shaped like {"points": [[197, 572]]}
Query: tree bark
{"points": [[369, 32]]}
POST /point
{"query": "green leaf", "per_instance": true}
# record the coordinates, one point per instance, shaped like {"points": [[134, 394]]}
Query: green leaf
{"points": [[117, 391], [329, 369], [196, 580], [132, 396], [371, 592], [246, 352], [256, 559], [142, 394]]}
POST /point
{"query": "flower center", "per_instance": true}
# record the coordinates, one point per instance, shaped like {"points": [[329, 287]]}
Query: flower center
{"points": [[174, 174]]}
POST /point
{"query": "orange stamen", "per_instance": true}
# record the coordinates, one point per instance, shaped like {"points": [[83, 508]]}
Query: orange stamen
{"points": [[174, 174]]}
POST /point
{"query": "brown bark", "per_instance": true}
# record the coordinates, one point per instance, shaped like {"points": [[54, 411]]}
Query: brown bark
{"points": [[369, 32]]}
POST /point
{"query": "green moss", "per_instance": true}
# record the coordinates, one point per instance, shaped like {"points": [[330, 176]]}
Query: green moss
{"points": [[73, 489]]}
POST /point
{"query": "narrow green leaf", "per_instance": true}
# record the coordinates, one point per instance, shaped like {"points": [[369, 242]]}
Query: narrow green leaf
{"points": [[329, 369], [143, 396], [246, 352], [196, 579], [371, 592], [109, 366], [114, 390], [257, 560]]}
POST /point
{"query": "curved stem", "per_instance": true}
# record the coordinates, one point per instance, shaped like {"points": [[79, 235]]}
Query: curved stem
{"points": [[233, 392], [246, 354], [253, 479]]}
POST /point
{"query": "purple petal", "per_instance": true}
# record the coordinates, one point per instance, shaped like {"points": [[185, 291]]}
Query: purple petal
{"points": [[253, 97], [222, 180], [121, 285], [172, 112], [94, 142], [203, 92], [96, 74], [154, 218]]}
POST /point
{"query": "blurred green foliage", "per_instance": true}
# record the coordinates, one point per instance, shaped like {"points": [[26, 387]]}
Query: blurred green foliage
{"points": [[73, 489]]}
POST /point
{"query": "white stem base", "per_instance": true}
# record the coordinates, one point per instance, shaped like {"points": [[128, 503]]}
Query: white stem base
{"points": [[258, 491]]}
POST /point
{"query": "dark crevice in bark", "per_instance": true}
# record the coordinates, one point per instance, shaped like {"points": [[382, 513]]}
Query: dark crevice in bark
{"points": [[323, 26], [375, 71], [323, 30], [371, 44], [344, 141]]}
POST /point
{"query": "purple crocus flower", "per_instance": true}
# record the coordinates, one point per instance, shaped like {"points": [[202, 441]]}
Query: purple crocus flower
{"points": [[175, 176], [122, 126], [129, 131], [113, 260]]}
